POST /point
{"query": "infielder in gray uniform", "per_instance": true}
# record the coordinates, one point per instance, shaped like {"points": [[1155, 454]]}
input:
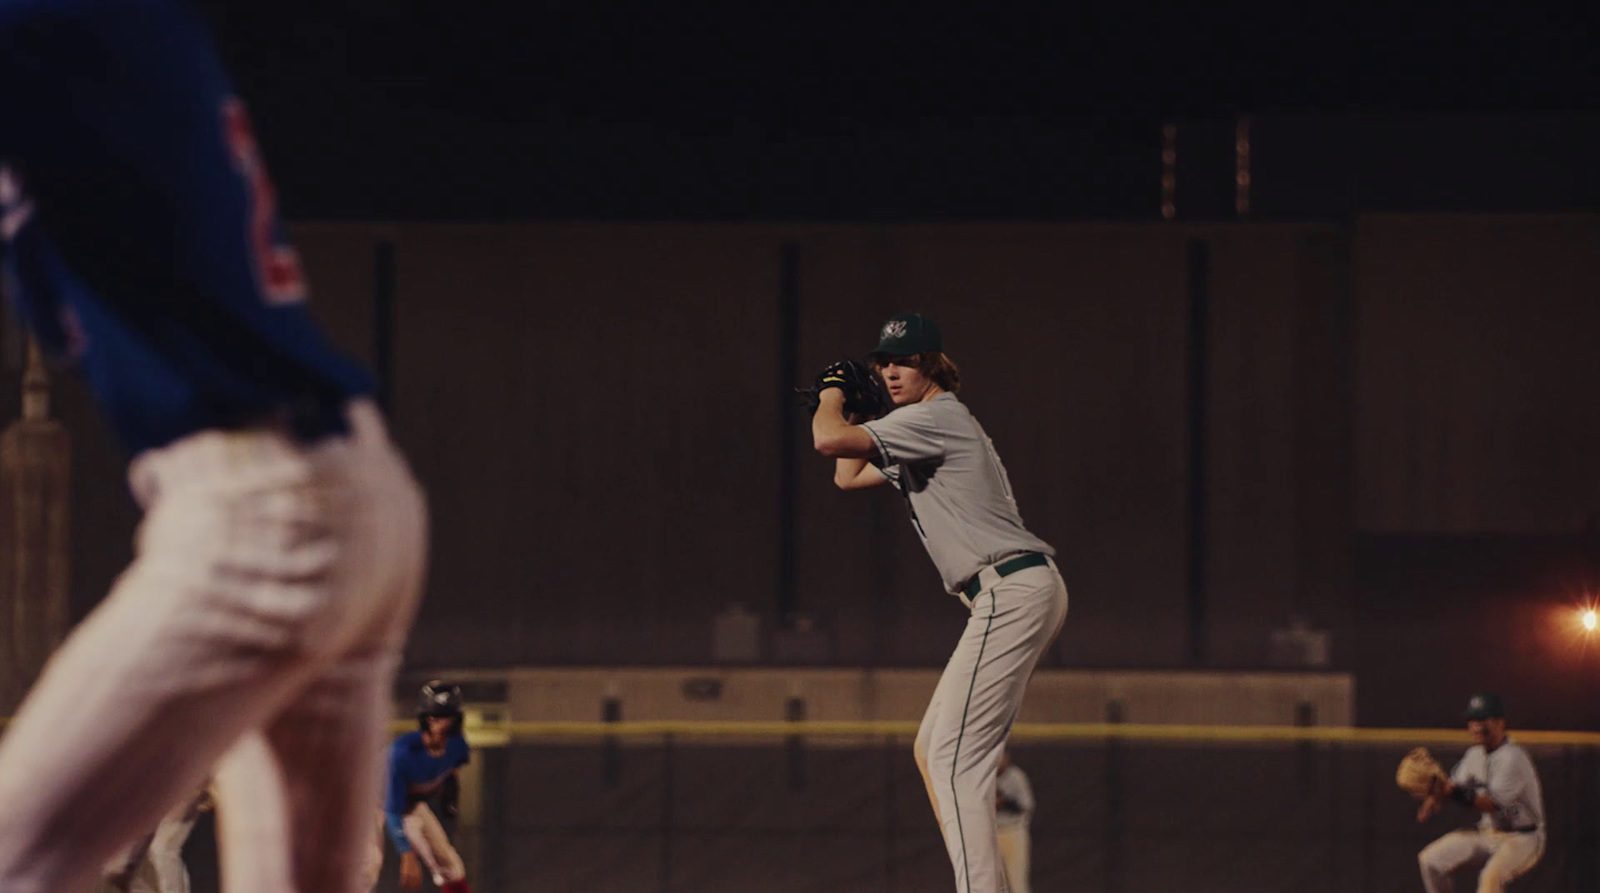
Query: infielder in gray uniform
{"points": [[1013, 804], [1495, 778], [154, 863], [932, 449]]}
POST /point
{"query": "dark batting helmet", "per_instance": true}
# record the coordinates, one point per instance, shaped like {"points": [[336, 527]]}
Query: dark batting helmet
{"points": [[440, 699]]}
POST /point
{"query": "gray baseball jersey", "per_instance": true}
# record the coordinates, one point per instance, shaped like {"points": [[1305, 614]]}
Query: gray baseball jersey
{"points": [[938, 455], [1508, 777]]}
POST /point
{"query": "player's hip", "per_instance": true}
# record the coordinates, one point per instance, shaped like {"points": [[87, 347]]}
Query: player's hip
{"points": [[1020, 616], [975, 574], [1034, 588], [279, 540]]}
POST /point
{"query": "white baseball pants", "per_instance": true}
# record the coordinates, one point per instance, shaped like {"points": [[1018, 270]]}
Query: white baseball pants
{"points": [[258, 631], [432, 846], [964, 730], [1504, 855]]}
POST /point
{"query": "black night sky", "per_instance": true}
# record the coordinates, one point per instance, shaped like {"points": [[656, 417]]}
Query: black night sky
{"points": [[738, 111]]}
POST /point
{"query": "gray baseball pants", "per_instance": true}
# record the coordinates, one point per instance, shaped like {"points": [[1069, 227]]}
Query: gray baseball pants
{"points": [[1014, 620]]}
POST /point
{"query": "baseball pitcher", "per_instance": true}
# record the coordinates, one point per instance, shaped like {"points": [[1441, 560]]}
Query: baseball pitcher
{"points": [[933, 451], [279, 561]]}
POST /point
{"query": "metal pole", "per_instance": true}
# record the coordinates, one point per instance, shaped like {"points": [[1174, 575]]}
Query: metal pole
{"points": [[1335, 880], [1199, 280], [1582, 834], [788, 423], [1368, 834], [611, 748], [384, 286], [888, 815], [665, 883], [795, 710], [1114, 830]]}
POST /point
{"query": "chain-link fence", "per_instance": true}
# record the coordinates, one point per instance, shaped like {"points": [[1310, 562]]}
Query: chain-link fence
{"points": [[1120, 810]]}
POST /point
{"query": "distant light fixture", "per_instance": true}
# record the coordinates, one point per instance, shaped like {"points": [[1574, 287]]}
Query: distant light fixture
{"points": [[1589, 619], [1241, 168], [1169, 171]]}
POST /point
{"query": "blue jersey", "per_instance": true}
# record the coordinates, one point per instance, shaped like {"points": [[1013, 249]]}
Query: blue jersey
{"points": [[414, 776], [141, 235]]}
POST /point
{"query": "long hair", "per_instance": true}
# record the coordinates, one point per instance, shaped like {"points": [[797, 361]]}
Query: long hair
{"points": [[934, 365]]}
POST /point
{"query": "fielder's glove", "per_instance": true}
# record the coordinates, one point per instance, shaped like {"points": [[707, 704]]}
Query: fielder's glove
{"points": [[864, 394], [1419, 774]]}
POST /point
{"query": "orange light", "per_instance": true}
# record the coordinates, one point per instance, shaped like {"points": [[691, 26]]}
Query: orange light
{"points": [[1590, 619]]}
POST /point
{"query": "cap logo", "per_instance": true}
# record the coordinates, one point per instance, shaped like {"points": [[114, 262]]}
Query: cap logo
{"points": [[894, 328]]}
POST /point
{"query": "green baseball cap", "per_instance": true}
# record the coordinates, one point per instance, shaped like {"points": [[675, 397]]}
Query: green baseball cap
{"points": [[906, 334], [1485, 705]]}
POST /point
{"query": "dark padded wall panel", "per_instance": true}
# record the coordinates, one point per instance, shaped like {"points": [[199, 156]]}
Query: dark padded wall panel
{"points": [[1476, 360]]}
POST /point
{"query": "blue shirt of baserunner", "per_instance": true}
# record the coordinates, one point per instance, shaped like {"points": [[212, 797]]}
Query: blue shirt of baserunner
{"points": [[140, 232], [414, 776]]}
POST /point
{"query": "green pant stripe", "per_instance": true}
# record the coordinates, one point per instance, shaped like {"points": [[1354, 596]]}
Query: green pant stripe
{"points": [[956, 759]]}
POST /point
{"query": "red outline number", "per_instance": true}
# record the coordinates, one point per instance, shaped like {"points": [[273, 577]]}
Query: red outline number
{"points": [[277, 264]]}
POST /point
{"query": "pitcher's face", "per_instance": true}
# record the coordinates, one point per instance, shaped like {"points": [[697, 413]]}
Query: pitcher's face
{"points": [[905, 381]]}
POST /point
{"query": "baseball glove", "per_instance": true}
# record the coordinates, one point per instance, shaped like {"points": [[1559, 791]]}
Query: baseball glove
{"points": [[1419, 774], [864, 395]]}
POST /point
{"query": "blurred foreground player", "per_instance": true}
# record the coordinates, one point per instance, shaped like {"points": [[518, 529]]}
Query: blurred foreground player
{"points": [[423, 769], [280, 557], [1497, 781]]}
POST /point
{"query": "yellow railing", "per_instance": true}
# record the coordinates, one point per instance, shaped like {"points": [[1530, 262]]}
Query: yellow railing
{"points": [[488, 731], [500, 732]]}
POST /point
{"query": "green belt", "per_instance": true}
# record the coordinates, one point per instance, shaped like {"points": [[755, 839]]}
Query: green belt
{"points": [[1005, 569]]}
